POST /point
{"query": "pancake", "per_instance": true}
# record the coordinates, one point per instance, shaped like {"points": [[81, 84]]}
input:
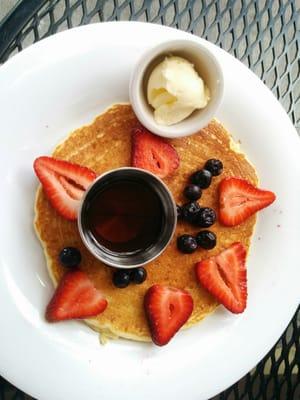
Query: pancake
{"points": [[105, 145]]}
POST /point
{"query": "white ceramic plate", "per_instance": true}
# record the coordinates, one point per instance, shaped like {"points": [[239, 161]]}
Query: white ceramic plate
{"points": [[62, 83]]}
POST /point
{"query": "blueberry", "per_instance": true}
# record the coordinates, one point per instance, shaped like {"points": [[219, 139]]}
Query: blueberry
{"points": [[206, 239], [70, 257], [138, 275], [179, 211], [190, 210], [121, 278], [214, 166], [202, 178], [186, 244], [192, 192], [205, 217]]}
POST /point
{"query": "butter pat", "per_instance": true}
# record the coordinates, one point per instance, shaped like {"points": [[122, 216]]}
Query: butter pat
{"points": [[175, 90]]}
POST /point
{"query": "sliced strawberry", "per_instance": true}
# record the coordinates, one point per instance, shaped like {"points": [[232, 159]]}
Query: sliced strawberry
{"points": [[238, 200], [167, 309], [75, 297], [152, 153], [64, 183], [225, 277], [74, 191]]}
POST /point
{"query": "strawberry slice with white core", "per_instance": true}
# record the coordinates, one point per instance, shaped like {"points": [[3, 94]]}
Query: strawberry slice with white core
{"points": [[153, 153], [64, 183], [225, 277], [75, 297], [239, 199], [167, 310]]}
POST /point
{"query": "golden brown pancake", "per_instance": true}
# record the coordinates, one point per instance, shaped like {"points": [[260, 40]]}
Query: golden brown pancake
{"points": [[106, 144]]}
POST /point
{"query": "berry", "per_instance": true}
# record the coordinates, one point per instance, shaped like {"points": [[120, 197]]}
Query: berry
{"points": [[64, 184], [153, 153], [202, 178], [205, 217], [214, 166], [206, 239], [75, 297], [70, 257], [190, 210], [187, 244], [225, 277], [192, 192], [138, 275], [167, 310], [179, 211], [121, 278], [238, 200]]}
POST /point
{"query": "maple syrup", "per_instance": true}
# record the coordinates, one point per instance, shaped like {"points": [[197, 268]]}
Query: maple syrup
{"points": [[125, 216]]}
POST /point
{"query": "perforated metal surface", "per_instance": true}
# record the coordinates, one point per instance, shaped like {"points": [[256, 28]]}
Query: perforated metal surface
{"points": [[264, 35]]}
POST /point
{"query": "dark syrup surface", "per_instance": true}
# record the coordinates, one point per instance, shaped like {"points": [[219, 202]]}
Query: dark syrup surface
{"points": [[125, 216]]}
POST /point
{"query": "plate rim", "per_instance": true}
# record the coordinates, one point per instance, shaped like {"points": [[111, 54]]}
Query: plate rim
{"points": [[42, 43]]}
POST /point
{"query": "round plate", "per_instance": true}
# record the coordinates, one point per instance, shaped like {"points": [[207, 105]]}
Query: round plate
{"points": [[62, 83]]}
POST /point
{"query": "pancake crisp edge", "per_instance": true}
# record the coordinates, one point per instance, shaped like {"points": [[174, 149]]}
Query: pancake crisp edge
{"points": [[105, 145]]}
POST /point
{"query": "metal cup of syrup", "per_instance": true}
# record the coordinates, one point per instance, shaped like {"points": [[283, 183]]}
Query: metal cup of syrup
{"points": [[127, 217]]}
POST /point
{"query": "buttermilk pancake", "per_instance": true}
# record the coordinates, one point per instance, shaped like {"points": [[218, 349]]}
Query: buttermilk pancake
{"points": [[105, 145]]}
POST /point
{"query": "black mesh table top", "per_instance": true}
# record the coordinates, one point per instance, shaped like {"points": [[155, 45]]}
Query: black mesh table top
{"points": [[265, 36]]}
